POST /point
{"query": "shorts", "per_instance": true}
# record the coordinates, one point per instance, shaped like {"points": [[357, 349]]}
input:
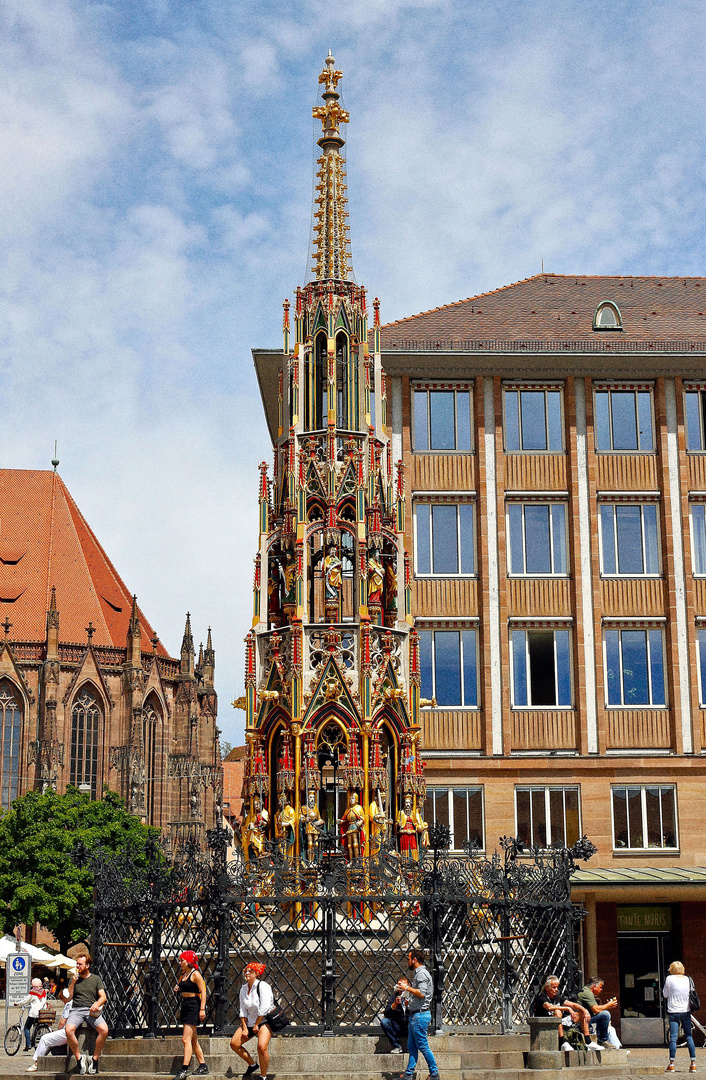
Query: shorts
{"points": [[83, 1016], [253, 1034], [190, 1008]]}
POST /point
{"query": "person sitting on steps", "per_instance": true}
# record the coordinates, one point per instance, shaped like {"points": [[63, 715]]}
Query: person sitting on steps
{"points": [[550, 1002]]}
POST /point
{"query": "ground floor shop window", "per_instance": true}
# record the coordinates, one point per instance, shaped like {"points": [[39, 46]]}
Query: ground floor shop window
{"points": [[547, 816], [644, 817]]}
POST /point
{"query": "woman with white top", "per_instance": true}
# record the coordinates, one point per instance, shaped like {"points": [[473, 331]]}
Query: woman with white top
{"points": [[676, 990], [256, 1001]]}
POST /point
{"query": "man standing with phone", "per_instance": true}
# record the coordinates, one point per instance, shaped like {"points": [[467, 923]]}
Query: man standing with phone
{"points": [[419, 994]]}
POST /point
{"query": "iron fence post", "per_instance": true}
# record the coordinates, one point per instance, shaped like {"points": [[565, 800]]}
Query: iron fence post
{"points": [[329, 975], [220, 970], [438, 968], [152, 977], [507, 974]]}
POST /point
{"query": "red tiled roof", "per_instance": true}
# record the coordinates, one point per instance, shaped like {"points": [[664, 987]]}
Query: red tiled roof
{"points": [[560, 307], [45, 541]]}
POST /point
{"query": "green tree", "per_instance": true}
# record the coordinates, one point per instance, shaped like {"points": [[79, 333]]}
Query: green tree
{"points": [[39, 878]]}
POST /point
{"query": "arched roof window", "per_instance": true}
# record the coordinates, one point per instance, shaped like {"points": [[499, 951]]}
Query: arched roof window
{"points": [[607, 317]]}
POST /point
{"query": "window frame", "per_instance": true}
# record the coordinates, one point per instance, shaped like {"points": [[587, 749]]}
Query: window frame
{"points": [[692, 536], [701, 682], [421, 500], [602, 387], [699, 389], [643, 814], [644, 628], [449, 790], [12, 718], [542, 385], [552, 628], [523, 503], [433, 630], [616, 311], [441, 387], [641, 503], [547, 789]]}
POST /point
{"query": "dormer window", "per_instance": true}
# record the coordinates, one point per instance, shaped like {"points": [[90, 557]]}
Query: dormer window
{"points": [[607, 317]]}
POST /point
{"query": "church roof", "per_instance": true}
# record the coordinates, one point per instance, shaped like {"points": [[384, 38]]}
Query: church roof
{"points": [[45, 541], [547, 308]]}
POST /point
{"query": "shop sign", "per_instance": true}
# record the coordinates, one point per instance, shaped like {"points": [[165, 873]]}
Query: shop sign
{"points": [[648, 917]]}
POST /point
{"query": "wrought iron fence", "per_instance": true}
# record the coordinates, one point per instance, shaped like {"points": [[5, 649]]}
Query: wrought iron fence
{"points": [[335, 934]]}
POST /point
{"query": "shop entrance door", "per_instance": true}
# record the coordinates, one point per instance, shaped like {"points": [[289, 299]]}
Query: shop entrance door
{"points": [[641, 966]]}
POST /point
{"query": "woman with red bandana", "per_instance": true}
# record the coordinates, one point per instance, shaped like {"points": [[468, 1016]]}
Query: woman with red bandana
{"points": [[256, 1001], [192, 988]]}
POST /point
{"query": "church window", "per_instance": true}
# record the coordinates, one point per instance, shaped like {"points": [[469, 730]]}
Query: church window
{"points": [[449, 666], [624, 418], [461, 810], [607, 317], [537, 537], [10, 726], [444, 538], [533, 419], [442, 418], [540, 664], [152, 741], [85, 724]]}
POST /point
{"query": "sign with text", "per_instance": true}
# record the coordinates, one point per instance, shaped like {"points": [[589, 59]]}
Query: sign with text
{"points": [[646, 918], [18, 975]]}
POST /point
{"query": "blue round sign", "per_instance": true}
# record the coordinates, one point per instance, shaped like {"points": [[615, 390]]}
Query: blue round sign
{"points": [[19, 963]]}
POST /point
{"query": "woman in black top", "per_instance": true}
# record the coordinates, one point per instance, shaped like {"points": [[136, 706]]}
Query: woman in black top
{"points": [[193, 1011]]}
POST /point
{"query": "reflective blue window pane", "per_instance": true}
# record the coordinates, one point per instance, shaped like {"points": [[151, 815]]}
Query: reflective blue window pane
{"points": [[444, 539], [441, 413], [512, 423], [563, 667], [519, 668], [537, 539], [694, 437], [421, 437], [608, 538], [613, 674], [628, 523], [514, 519], [470, 672], [448, 667], [635, 681], [533, 420], [465, 511], [554, 428], [657, 667], [425, 663], [463, 420], [644, 417], [698, 530], [423, 542], [624, 419], [559, 537], [702, 665], [602, 421], [649, 521]]}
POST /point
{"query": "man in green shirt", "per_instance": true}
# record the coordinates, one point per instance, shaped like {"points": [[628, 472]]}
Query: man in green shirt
{"points": [[88, 997], [599, 1013]]}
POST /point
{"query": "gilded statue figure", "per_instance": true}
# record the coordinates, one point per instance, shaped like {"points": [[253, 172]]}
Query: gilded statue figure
{"points": [[412, 830], [376, 578], [333, 574], [255, 828], [353, 826], [286, 823], [310, 826]]}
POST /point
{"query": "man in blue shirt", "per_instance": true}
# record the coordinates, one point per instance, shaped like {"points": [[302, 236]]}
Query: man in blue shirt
{"points": [[419, 994]]}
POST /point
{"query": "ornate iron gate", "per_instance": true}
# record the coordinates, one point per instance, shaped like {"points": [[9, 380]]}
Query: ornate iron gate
{"points": [[335, 934]]}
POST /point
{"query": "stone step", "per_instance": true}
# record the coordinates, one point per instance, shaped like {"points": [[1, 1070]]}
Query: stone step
{"points": [[372, 1072], [322, 1044]]}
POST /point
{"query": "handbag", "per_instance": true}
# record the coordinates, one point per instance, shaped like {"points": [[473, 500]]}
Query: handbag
{"points": [[694, 1000], [276, 1019]]}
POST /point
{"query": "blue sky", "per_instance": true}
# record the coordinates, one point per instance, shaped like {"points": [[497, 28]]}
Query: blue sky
{"points": [[155, 202]]}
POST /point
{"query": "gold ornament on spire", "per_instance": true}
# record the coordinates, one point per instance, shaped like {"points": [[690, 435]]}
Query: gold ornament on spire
{"points": [[331, 255]]}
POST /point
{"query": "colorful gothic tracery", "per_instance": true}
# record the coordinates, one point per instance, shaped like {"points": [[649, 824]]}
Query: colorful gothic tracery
{"points": [[332, 662]]}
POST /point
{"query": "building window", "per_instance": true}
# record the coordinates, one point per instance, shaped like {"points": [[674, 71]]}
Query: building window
{"points": [[533, 420], [607, 317], [442, 419], [624, 420], [449, 667], [152, 740], [695, 409], [541, 668], [10, 730], [701, 652], [443, 536], [629, 543], [634, 667], [537, 537], [644, 817], [461, 809], [85, 723], [547, 816], [698, 537]]}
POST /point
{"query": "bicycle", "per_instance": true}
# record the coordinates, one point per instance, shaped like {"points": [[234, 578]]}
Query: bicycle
{"points": [[15, 1035]]}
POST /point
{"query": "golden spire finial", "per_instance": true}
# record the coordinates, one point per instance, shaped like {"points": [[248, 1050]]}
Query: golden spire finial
{"points": [[331, 256]]}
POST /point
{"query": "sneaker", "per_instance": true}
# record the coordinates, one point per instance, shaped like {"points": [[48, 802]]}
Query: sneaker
{"points": [[593, 1046], [566, 1047], [83, 1064], [33, 1067], [251, 1069], [606, 1046], [92, 1066], [670, 1067], [202, 1069], [183, 1073], [396, 1050], [692, 1067]]}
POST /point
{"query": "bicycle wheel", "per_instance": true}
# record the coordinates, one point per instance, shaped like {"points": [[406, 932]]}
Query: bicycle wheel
{"points": [[39, 1030], [13, 1040]]}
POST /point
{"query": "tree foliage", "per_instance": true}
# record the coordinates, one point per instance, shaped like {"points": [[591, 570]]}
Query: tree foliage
{"points": [[40, 880]]}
